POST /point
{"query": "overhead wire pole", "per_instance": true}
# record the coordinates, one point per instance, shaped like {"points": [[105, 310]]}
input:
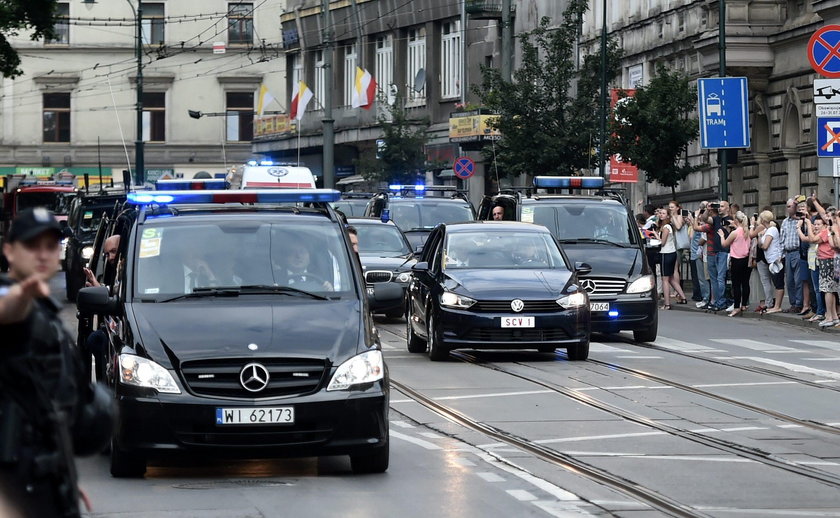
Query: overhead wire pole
{"points": [[602, 140], [139, 158], [723, 158], [329, 130], [507, 42]]}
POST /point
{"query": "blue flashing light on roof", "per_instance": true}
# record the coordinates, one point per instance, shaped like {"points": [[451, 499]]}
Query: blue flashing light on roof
{"points": [[266, 162], [569, 182], [192, 185], [409, 187], [238, 196]]}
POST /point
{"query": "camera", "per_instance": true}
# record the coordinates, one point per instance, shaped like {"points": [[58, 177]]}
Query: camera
{"points": [[715, 206], [755, 215], [685, 213], [800, 214]]}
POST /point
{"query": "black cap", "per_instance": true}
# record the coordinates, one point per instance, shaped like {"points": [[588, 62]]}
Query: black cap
{"points": [[31, 223]]}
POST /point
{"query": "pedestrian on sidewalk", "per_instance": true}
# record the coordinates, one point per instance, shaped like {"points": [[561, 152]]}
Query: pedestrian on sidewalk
{"points": [[773, 251], [699, 280], [669, 262], [766, 284], [738, 242], [811, 259], [819, 233], [789, 236]]}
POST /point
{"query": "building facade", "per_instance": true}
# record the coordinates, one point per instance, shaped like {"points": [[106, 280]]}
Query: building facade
{"points": [[75, 104]]}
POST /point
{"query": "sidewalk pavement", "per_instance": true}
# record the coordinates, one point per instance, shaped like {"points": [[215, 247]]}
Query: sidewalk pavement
{"points": [[785, 318]]}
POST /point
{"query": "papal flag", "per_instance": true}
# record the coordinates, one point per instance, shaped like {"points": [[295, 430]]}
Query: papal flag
{"points": [[301, 96], [264, 100], [364, 90]]}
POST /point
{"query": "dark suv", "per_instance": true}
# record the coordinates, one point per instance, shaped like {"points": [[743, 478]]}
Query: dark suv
{"points": [[597, 229], [86, 212], [239, 327], [417, 209]]}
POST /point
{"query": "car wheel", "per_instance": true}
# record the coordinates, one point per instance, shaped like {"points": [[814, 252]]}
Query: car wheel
{"points": [[647, 334], [578, 352], [376, 461], [415, 343], [125, 464], [546, 349], [437, 351]]}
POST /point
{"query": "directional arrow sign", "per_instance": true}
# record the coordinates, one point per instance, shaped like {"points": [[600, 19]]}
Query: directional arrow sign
{"points": [[724, 112]]}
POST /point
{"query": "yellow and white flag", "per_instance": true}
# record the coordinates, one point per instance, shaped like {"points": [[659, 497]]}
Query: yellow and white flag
{"points": [[264, 100]]}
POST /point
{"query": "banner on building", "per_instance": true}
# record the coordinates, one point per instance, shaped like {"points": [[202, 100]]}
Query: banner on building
{"points": [[273, 126], [621, 172], [472, 126]]}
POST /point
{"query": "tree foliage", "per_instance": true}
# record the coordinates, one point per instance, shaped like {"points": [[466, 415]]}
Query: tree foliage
{"points": [[545, 127], [18, 15], [402, 155], [653, 129]]}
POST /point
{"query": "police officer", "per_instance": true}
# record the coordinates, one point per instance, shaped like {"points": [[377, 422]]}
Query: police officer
{"points": [[48, 410]]}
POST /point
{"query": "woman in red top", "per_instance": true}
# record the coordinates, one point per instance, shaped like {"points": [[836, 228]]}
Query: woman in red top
{"points": [[818, 232]]}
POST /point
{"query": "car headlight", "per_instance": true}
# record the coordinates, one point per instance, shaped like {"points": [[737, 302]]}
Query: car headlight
{"points": [[363, 368], [404, 277], [141, 372], [453, 300], [575, 300], [87, 252], [641, 285]]}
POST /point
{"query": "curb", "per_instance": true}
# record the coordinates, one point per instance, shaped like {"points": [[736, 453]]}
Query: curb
{"points": [[783, 318]]}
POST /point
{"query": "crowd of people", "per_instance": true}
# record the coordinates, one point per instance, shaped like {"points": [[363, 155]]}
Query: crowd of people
{"points": [[797, 256]]}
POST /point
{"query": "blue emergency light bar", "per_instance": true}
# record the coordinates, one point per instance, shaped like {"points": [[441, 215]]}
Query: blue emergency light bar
{"points": [[192, 185], [235, 196], [569, 182], [397, 187]]}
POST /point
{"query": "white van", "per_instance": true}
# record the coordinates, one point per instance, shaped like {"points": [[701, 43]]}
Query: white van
{"points": [[272, 176]]}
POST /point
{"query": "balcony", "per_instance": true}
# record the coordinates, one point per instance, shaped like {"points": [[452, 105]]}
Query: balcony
{"points": [[487, 9]]}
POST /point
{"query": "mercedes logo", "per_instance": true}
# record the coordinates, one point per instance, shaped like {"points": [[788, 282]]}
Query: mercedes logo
{"points": [[588, 285], [278, 171], [517, 305], [254, 377]]}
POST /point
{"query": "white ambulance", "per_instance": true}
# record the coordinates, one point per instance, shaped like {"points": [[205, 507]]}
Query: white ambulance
{"points": [[264, 175]]}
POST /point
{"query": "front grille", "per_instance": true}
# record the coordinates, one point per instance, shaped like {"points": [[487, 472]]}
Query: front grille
{"points": [[376, 276], [603, 286], [503, 306], [489, 334], [287, 376], [238, 436]]}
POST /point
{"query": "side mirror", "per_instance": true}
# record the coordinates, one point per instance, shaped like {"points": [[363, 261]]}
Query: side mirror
{"points": [[418, 249], [582, 268], [95, 300], [421, 266]]}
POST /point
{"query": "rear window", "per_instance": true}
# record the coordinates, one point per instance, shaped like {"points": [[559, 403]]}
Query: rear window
{"points": [[409, 215], [571, 221]]}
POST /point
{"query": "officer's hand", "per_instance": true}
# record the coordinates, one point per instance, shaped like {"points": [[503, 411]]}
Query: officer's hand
{"points": [[90, 279], [34, 287]]}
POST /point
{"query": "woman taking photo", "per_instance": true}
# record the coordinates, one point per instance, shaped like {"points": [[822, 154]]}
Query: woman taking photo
{"points": [[818, 232], [772, 246], [668, 255], [738, 242]]}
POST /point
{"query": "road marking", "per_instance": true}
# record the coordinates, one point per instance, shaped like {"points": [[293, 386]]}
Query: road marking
{"points": [[497, 394], [641, 357], [679, 345], [821, 359], [562, 509], [508, 466], [402, 424], [388, 347], [521, 495], [431, 435], [798, 368], [599, 437], [463, 462], [754, 345], [711, 458], [825, 344], [598, 347], [414, 440], [626, 387], [756, 384], [490, 477]]}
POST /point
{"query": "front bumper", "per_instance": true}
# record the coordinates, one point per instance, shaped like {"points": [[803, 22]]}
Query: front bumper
{"points": [[381, 307], [326, 423], [631, 312], [467, 329]]}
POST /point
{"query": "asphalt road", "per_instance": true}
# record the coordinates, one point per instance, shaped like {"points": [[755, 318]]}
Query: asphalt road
{"points": [[719, 417]]}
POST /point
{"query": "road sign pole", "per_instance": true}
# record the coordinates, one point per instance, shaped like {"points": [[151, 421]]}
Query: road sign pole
{"points": [[723, 177]]}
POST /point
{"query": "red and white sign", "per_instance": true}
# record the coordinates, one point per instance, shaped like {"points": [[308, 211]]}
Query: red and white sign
{"points": [[621, 172], [218, 47]]}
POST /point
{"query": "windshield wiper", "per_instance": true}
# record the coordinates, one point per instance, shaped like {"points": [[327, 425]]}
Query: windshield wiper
{"points": [[593, 240], [221, 291], [285, 290]]}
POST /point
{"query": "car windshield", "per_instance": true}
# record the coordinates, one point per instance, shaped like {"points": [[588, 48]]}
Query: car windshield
{"points": [[502, 249], [53, 201], [381, 240], [92, 215], [175, 258], [351, 208], [569, 222], [410, 215]]}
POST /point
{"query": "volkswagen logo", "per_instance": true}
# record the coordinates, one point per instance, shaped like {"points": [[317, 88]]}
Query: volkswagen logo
{"points": [[254, 377], [278, 171], [517, 305], [588, 285]]}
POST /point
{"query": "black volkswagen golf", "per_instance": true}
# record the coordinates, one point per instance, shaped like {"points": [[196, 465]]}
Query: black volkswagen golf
{"points": [[496, 285], [239, 327]]}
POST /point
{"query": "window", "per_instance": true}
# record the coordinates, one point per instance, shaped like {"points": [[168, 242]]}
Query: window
{"points": [[450, 60], [350, 57], [152, 23], [240, 23], [297, 68], [681, 21], [415, 63], [384, 61], [62, 25], [320, 78], [154, 116], [240, 116], [57, 117]]}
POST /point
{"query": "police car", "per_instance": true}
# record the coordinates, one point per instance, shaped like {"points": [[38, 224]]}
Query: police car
{"points": [[598, 229], [239, 327]]}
